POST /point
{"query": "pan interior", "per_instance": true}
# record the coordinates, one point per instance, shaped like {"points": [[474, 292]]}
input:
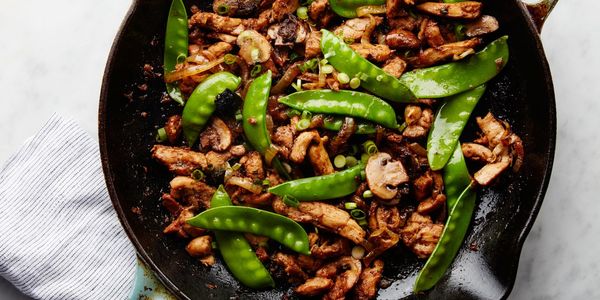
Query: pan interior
{"points": [[486, 264]]}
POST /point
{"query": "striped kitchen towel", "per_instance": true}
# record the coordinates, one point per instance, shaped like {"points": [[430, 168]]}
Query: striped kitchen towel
{"points": [[59, 235]]}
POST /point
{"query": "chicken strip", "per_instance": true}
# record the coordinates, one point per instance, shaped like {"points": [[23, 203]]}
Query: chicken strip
{"points": [[180, 161], [324, 216], [301, 145], [421, 235], [195, 193], [367, 285], [456, 51], [314, 287], [319, 159]]}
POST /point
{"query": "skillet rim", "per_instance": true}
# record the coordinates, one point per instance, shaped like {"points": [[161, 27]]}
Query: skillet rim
{"points": [[143, 255]]}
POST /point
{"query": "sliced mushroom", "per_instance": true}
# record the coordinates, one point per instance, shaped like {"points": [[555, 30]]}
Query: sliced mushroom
{"points": [[217, 135], [459, 10], [384, 175], [236, 7], [484, 25], [254, 47]]}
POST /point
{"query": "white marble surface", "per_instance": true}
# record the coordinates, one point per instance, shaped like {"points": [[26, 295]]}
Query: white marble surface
{"points": [[53, 55]]}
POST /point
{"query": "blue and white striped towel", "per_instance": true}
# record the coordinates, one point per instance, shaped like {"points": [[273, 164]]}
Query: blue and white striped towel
{"points": [[59, 235]]}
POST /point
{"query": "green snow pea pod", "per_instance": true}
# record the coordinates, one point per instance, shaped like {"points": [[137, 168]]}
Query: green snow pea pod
{"points": [[347, 8], [457, 77], [324, 187], [377, 81], [347, 103], [237, 253], [335, 124], [456, 176], [256, 221], [254, 119], [176, 44], [254, 113], [449, 123], [201, 104], [450, 241]]}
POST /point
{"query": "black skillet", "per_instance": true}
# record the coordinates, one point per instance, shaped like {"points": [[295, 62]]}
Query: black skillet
{"points": [[485, 267]]}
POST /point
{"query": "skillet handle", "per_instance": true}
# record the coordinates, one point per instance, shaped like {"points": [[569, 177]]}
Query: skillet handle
{"points": [[147, 286], [539, 11]]}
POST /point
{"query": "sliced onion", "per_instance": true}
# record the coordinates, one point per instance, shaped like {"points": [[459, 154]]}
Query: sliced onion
{"points": [[270, 154], [191, 70], [287, 78], [370, 10], [365, 39], [245, 183]]}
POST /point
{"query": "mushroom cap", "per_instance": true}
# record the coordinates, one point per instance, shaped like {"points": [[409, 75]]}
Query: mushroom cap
{"points": [[384, 175], [254, 47]]}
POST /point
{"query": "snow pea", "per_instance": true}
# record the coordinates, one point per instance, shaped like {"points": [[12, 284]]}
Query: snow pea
{"points": [[324, 187], [237, 253], [449, 123], [347, 8], [461, 198], [347, 103], [201, 103], [456, 77], [176, 44], [450, 241], [254, 118], [335, 124], [456, 176], [256, 221], [254, 113], [376, 80]]}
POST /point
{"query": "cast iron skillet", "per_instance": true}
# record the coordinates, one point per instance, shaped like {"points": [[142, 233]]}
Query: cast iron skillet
{"points": [[486, 265]]}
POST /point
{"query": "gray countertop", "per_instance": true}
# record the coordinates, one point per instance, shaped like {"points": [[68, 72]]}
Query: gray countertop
{"points": [[53, 60]]}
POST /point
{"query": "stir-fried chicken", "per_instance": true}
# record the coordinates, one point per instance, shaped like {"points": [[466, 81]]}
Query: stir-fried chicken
{"points": [[319, 159], [322, 247], [402, 39], [181, 228], [314, 286], [290, 266], [284, 138], [217, 23], [477, 152], [484, 25], [253, 165], [418, 121], [381, 216], [395, 66], [216, 135], [201, 248], [301, 144], [282, 8], [499, 147], [378, 53], [350, 269], [421, 235], [179, 161], [193, 192], [324, 216], [367, 285], [430, 31], [173, 128], [313, 44], [456, 51], [353, 29]]}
